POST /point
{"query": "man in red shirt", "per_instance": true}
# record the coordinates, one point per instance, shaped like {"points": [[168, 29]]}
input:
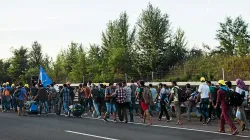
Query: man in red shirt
{"points": [[221, 98]]}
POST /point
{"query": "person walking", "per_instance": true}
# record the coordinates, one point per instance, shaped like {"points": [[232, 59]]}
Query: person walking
{"points": [[164, 95], [174, 95], [221, 98], [96, 101], [203, 94], [66, 99], [145, 96], [154, 96], [43, 97], [21, 95], [110, 103], [242, 89], [121, 103], [213, 96], [133, 87], [128, 92]]}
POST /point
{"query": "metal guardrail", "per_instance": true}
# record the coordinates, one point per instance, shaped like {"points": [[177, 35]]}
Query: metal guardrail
{"points": [[167, 83]]}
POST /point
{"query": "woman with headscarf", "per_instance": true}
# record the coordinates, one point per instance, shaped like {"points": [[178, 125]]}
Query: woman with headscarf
{"points": [[241, 88]]}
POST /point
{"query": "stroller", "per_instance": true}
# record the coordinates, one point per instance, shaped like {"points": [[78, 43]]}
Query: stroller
{"points": [[31, 108]]}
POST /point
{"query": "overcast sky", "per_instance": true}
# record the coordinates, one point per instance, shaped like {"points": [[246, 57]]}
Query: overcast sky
{"points": [[55, 23]]}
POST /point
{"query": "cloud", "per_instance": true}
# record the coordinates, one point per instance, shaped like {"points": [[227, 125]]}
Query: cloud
{"points": [[19, 29]]}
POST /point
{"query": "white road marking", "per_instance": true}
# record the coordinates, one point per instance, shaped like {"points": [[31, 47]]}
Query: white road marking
{"points": [[89, 135], [180, 128]]}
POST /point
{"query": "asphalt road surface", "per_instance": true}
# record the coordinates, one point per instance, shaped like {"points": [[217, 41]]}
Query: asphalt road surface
{"points": [[13, 127]]}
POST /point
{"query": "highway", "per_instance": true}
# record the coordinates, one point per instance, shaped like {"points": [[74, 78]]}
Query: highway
{"points": [[56, 127]]}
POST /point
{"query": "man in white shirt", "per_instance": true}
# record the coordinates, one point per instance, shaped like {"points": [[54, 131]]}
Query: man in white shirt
{"points": [[203, 94]]}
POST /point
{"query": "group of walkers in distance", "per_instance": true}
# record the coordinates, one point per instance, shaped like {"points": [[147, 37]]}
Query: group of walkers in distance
{"points": [[215, 102]]}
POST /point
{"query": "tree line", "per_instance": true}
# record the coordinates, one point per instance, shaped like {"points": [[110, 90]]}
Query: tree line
{"points": [[135, 52]]}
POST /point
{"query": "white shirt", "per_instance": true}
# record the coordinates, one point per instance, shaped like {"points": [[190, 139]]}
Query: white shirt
{"points": [[204, 90], [239, 90]]}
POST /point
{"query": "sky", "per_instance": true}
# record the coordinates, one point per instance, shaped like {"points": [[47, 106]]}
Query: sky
{"points": [[55, 23]]}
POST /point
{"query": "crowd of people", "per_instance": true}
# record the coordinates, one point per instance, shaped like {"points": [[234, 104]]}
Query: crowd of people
{"points": [[106, 101]]}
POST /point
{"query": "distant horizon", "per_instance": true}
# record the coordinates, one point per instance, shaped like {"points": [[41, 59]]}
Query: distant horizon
{"points": [[55, 24]]}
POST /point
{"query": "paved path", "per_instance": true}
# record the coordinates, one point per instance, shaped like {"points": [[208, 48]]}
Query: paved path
{"points": [[56, 127]]}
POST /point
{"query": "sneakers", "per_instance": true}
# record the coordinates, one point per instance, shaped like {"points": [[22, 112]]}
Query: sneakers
{"points": [[171, 118], [85, 114], [208, 120], [99, 117], [115, 121]]}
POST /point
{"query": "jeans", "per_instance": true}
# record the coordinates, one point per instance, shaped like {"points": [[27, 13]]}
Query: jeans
{"points": [[204, 107], [134, 107], [130, 108], [14, 103], [45, 105], [158, 106], [66, 107], [88, 104], [6, 103], [96, 106], [192, 108], [110, 108]]}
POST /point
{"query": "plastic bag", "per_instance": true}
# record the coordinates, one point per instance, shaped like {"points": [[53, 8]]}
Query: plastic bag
{"points": [[238, 115]]}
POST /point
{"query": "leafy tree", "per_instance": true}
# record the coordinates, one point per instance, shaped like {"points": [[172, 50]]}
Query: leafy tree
{"points": [[59, 72], [153, 39], [80, 68], [117, 42], [4, 65], [94, 62], [177, 51], [19, 64], [36, 55], [234, 37]]}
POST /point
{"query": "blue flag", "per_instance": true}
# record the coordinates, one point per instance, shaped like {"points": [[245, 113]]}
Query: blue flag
{"points": [[45, 80]]}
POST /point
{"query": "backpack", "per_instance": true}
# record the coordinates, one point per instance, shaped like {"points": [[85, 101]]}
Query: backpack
{"points": [[6, 92], [182, 97], [107, 99], [229, 97], [17, 93], [95, 94], [71, 92], [147, 96], [238, 98], [53, 92]]}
